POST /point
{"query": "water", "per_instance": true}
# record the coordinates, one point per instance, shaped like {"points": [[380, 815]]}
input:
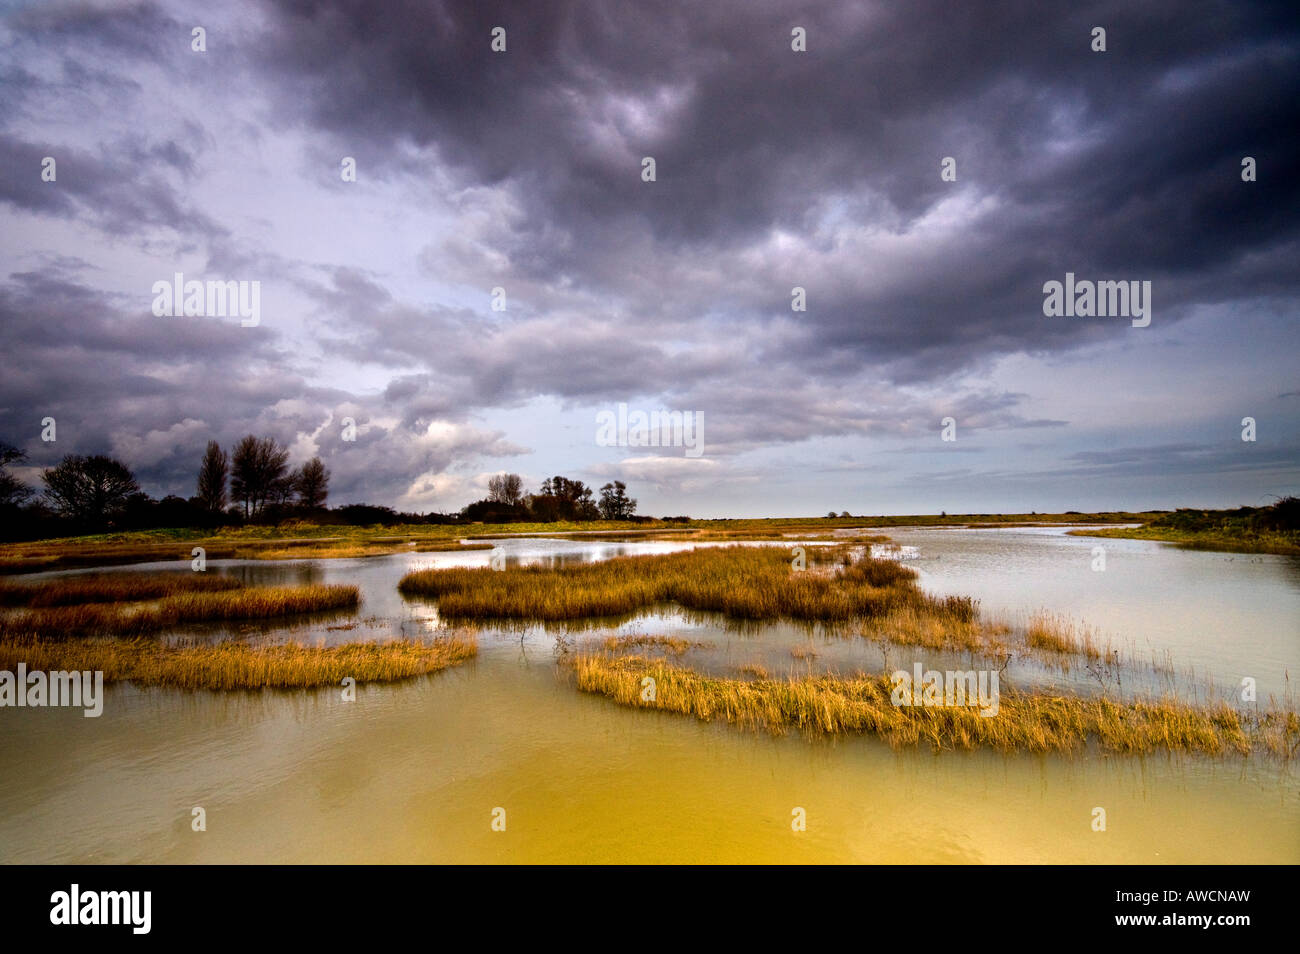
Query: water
{"points": [[412, 772], [1224, 616]]}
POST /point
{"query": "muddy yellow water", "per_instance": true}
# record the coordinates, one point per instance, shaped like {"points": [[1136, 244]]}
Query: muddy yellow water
{"points": [[419, 771]]}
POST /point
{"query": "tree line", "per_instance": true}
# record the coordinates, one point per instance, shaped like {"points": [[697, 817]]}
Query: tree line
{"points": [[253, 483], [558, 498], [97, 492]]}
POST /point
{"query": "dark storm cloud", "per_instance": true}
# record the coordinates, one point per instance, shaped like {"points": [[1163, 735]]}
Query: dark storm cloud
{"points": [[119, 195], [96, 48], [114, 378], [135, 30], [1120, 164], [775, 169], [483, 362]]}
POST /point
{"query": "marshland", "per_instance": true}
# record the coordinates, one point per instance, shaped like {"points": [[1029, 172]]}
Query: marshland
{"points": [[513, 676]]}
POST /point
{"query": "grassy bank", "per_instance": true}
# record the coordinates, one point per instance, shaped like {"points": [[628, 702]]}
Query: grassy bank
{"points": [[234, 665], [169, 546], [1223, 541], [1272, 529], [741, 582], [1029, 722]]}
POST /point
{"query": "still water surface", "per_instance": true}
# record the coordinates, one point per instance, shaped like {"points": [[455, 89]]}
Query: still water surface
{"points": [[412, 772]]}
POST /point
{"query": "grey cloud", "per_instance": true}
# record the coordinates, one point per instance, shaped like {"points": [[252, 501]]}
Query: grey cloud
{"points": [[121, 196], [775, 169]]}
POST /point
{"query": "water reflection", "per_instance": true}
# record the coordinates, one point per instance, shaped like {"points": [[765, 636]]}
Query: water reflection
{"points": [[410, 772]]}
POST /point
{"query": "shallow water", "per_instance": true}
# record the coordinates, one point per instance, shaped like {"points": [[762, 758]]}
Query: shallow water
{"points": [[1222, 615], [413, 772]]}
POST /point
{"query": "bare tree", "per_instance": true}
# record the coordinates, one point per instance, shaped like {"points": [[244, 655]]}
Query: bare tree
{"points": [[212, 478], [257, 473], [506, 489], [89, 489], [12, 490]]}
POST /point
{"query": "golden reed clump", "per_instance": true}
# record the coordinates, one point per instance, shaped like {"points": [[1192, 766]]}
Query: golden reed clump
{"points": [[741, 582]]}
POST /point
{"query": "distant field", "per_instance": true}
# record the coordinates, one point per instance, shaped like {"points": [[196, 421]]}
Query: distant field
{"points": [[297, 539], [254, 543]]}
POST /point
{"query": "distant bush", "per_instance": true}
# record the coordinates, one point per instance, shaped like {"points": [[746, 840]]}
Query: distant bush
{"points": [[1281, 517]]}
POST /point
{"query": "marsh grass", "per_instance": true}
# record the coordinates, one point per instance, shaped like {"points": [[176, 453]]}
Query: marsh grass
{"points": [[71, 554], [837, 554], [673, 645], [755, 583], [939, 624], [110, 550], [347, 549], [1211, 532], [1058, 634], [237, 665], [178, 609], [742, 583], [792, 533], [111, 588], [310, 550], [1030, 722]]}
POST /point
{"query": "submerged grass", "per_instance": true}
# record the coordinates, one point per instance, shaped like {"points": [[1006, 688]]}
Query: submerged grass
{"points": [[1031, 722], [674, 645], [178, 609], [236, 665], [1058, 634], [951, 623]]}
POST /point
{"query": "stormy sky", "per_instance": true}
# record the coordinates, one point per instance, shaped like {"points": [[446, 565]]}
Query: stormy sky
{"points": [[523, 170]]}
